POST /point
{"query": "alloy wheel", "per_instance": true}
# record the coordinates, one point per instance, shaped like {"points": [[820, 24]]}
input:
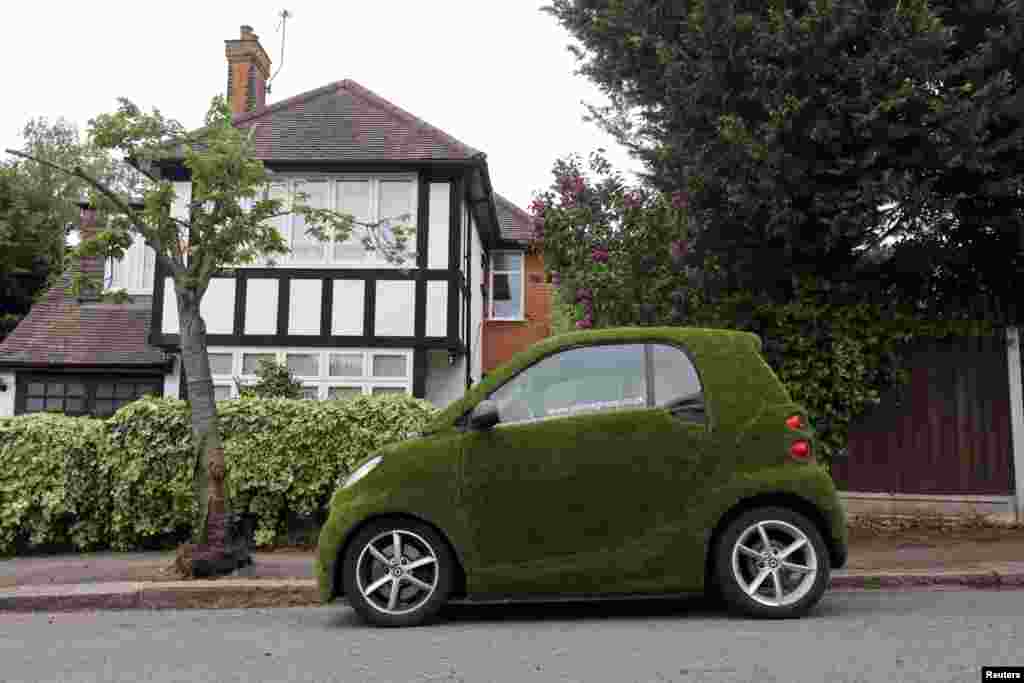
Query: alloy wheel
{"points": [[774, 563], [397, 572]]}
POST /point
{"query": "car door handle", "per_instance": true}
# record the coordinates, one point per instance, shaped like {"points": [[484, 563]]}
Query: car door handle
{"points": [[687, 407]]}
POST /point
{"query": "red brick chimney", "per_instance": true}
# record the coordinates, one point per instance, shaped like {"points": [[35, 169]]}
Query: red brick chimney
{"points": [[90, 266], [248, 71]]}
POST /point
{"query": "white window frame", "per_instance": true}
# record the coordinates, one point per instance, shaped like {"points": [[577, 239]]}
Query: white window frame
{"points": [[522, 284], [323, 381], [327, 260], [129, 273]]}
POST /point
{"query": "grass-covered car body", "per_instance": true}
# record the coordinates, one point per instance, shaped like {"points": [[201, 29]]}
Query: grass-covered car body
{"points": [[618, 501]]}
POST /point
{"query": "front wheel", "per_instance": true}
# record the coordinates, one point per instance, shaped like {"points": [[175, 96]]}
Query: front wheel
{"points": [[771, 563], [398, 572]]}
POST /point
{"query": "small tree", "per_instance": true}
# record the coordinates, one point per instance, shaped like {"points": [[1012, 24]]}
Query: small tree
{"points": [[228, 223], [274, 380]]}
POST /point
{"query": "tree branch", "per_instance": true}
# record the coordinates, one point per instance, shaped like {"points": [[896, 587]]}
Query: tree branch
{"points": [[124, 207]]}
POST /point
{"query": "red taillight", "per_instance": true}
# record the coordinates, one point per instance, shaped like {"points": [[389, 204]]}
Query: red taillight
{"points": [[795, 422], [800, 450]]}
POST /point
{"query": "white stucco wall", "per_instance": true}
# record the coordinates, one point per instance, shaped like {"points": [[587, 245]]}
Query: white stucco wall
{"points": [[445, 383], [172, 381], [7, 397], [437, 235]]}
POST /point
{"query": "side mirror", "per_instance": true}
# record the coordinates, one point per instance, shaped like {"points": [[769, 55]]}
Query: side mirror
{"points": [[485, 415]]}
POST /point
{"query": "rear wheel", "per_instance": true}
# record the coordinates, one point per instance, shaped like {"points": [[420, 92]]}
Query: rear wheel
{"points": [[398, 572], [771, 563]]}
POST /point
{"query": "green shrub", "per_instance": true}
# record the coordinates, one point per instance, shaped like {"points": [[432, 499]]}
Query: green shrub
{"points": [[51, 488], [126, 482]]}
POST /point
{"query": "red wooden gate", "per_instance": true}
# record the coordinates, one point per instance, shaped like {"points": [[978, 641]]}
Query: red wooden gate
{"points": [[946, 432]]}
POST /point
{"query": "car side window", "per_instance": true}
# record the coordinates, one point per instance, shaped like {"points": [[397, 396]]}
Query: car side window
{"points": [[582, 380], [676, 384]]}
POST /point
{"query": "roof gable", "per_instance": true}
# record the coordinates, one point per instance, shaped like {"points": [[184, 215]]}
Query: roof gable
{"points": [[345, 122], [515, 224]]}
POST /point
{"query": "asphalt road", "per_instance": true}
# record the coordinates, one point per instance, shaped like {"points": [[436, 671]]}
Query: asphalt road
{"points": [[852, 636]]}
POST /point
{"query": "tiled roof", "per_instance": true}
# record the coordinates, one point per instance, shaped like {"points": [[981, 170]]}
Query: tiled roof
{"points": [[345, 122], [61, 331], [516, 225]]}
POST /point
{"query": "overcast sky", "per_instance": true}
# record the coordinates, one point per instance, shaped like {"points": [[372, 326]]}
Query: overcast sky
{"points": [[494, 74]]}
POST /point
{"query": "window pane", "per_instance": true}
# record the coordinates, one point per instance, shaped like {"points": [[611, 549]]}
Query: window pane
{"points": [[395, 205], [304, 364], [104, 408], [595, 378], [251, 361], [55, 404], [221, 392], [675, 378], [506, 295], [36, 389], [346, 365], [105, 391], [306, 247], [337, 393], [148, 390], [34, 405], [220, 363], [74, 405], [123, 390], [505, 260], [354, 199], [388, 390], [388, 366], [310, 393], [55, 389], [76, 389]]}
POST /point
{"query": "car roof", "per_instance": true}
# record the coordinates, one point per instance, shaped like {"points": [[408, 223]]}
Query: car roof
{"points": [[715, 352]]}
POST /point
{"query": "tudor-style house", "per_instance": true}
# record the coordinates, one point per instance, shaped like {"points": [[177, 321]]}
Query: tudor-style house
{"points": [[343, 319]]}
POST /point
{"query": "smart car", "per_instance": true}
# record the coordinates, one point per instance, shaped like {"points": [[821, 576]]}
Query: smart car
{"points": [[643, 461]]}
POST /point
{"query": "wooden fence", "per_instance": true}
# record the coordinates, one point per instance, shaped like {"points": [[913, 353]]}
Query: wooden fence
{"points": [[946, 432]]}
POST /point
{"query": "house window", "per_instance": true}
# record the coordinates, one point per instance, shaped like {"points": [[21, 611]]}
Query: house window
{"points": [[324, 374], [387, 201], [98, 396], [505, 286]]}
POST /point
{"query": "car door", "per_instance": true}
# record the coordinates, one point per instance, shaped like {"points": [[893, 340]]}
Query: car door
{"points": [[558, 495]]}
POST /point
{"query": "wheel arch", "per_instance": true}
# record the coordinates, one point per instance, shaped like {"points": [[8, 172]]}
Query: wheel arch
{"points": [[789, 501], [459, 583]]}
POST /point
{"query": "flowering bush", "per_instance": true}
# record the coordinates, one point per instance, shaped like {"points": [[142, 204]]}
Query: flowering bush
{"points": [[616, 252]]}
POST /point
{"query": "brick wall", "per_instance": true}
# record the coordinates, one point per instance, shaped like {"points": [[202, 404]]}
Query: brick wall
{"points": [[503, 338]]}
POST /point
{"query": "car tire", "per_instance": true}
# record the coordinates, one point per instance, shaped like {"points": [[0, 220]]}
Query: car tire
{"points": [[761, 580], [368, 561]]}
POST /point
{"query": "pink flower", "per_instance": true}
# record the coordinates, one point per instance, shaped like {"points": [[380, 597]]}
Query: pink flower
{"points": [[538, 207], [679, 249], [556, 278], [584, 294], [632, 200], [584, 324], [599, 254], [680, 200], [571, 187]]}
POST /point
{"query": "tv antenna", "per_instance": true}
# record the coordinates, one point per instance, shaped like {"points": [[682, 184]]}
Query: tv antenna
{"points": [[285, 15]]}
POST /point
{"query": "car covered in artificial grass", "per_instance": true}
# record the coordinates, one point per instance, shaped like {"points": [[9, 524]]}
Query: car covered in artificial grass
{"points": [[629, 461]]}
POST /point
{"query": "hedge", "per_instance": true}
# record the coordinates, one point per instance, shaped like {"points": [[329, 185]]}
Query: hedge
{"points": [[126, 482]]}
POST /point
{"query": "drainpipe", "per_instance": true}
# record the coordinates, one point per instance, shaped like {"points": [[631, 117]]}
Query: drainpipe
{"points": [[1013, 357]]}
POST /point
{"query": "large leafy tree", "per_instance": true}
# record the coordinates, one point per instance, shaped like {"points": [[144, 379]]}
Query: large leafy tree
{"points": [[38, 207], [228, 223], [811, 134]]}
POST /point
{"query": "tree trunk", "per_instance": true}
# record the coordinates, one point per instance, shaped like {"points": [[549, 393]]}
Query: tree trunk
{"points": [[213, 550]]}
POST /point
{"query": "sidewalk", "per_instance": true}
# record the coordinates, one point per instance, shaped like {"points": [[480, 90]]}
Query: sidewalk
{"points": [[909, 560]]}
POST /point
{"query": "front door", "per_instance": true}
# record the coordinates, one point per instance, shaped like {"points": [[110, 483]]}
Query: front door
{"points": [[567, 493]]}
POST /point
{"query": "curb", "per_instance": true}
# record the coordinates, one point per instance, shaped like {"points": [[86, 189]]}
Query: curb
{"points": [[975, 579], [256, 593], [177, 595]]}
